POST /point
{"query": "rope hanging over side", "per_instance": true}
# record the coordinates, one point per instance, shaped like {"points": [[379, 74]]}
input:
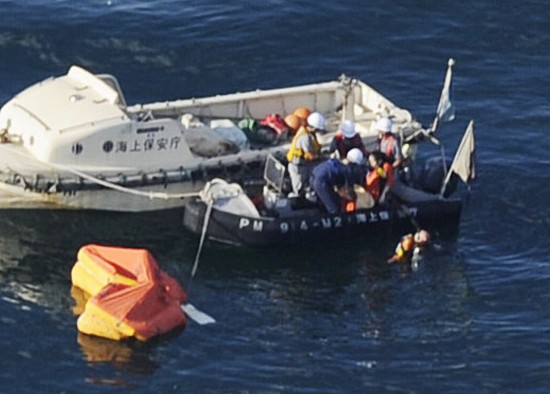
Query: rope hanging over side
{"points": [[203, 235], [150, 194]]}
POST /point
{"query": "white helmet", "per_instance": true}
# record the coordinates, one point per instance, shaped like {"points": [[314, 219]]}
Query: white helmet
{"points": [[316, 120], [384, 124], [355, 156], [348, 128]]}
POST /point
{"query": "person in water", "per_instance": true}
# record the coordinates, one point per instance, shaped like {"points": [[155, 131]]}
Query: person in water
{"points": [[410, 247]]}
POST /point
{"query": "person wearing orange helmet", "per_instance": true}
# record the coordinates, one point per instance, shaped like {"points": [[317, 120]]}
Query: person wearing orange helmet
{"points": [[410, 246]]}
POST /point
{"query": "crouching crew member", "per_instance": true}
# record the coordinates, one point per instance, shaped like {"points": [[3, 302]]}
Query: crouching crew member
{"points": [[332, 180]]}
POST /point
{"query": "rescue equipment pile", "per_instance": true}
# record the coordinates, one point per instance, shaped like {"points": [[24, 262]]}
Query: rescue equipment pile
{"points": [[129, 296]]}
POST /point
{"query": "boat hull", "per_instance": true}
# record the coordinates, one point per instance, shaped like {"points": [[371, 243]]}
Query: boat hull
{"points": [[38, 187], [310, 225], [72, 142], [13, 197]]}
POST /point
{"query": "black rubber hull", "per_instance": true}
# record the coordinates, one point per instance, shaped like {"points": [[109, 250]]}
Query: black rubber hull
{"points": [[313, 226]]}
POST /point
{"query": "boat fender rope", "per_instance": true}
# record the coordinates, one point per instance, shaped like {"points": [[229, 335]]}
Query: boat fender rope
{"points": [[107, 184], [209, 206]]}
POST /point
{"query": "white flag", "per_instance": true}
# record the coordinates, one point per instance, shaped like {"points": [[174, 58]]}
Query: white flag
{"points": [[464, 161], [445, 108]]}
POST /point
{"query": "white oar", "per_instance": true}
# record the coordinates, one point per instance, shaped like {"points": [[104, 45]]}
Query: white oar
{"points": [[192, 312], [196, 315]]}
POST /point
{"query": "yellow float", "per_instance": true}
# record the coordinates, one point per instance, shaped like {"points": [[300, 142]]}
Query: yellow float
{"points": [[128, 295]]}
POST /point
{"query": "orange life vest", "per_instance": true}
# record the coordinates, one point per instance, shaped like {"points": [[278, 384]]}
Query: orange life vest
{"points": [[378, 178], [404, 246]]}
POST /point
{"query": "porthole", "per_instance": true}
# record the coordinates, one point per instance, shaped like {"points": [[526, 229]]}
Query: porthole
{"points": [[77, 148], [108, 146]]}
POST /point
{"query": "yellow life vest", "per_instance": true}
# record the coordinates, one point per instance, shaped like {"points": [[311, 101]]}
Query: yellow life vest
{"points": [[405, 245], [298, 153]]}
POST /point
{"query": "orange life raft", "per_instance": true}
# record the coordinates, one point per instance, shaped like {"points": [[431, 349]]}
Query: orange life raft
{"points": [[130, 295]]}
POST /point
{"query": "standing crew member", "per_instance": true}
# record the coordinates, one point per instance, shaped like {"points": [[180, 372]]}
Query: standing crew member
{"points": [[346, 139], [332, 180], [304, 151], [388, 143]]}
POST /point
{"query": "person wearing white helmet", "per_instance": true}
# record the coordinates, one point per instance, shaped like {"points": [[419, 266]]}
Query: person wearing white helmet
{"points": [[333, 180], [355, 156], [346, 139], [388, 144], [304, 151], [316, 121]]}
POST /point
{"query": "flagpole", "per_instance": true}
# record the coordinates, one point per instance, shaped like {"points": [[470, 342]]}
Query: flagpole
{"points": [[447, 179], [445, 103]]}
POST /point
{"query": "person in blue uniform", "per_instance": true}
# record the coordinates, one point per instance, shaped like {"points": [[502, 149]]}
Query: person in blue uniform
{"points": [[332, 179]]}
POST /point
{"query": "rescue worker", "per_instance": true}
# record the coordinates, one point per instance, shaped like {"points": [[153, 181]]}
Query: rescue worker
{"points": [[410, 247], [333, 179], [304, 151], [388, 144], [380, 177], [346, 139]]}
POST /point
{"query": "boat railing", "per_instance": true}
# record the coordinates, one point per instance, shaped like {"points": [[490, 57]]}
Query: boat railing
{"points": [[102, 88], [256, 104]]}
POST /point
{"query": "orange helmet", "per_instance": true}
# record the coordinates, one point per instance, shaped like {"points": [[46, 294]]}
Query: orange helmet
{"points": [[302, 113], [293, 122]]}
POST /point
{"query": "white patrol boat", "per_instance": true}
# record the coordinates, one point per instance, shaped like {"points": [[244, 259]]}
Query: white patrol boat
{"points": [[72, 142]]}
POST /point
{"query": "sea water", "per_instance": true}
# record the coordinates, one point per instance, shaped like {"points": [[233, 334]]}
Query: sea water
{"points": [[333, 318]]}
